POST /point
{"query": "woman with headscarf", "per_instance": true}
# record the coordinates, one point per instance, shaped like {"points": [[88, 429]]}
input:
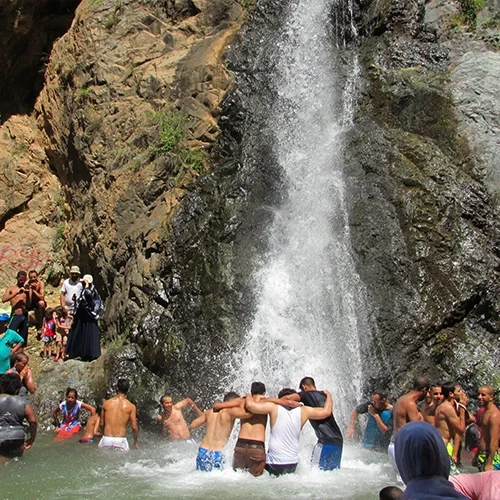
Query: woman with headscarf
{"points": [[423, 463], [83, 338]]}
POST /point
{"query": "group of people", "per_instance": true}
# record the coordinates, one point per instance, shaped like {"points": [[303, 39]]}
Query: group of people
{"points": [[425, 428], [73, 325], [426, 443]]}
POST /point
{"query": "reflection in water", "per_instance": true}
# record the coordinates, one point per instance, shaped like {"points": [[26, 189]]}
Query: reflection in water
{"points": [[168, 470]]}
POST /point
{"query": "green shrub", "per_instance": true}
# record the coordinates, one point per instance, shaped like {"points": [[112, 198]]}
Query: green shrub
{"points": [[470, 9], [170, 130], [58, 241]]}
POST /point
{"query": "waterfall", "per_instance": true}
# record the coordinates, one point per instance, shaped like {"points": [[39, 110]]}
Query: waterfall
{"points": [[311, 313]]}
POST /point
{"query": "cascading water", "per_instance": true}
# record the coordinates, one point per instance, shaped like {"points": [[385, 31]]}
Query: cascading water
{"points": [[310, 314]]}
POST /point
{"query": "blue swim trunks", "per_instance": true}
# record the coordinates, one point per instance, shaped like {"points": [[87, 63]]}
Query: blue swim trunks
{"points": [[208, 460], [327, 456]]}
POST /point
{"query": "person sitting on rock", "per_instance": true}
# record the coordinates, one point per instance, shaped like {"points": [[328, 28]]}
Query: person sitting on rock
{"points": [[20, 367], [70, 410]]}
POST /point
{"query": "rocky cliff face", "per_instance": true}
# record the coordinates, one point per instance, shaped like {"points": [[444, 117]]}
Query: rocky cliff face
{"points": [[142, 163], [424, 210]]}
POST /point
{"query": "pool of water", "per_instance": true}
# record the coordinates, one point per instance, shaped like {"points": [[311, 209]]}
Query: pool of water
{"points": [[162, 469]]}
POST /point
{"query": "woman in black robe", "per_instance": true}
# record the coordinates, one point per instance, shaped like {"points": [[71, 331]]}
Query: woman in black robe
{"points": [[83, 338]]}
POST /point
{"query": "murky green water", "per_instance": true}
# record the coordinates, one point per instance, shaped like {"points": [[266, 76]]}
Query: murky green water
{"points": [[167, 470]]}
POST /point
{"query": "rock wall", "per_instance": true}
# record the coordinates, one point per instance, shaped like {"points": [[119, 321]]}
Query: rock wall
{"points": [[172, 231], [423, 211]]}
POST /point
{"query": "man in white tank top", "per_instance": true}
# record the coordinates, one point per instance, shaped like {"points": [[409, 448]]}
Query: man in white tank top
{"points": [[286, 424]]}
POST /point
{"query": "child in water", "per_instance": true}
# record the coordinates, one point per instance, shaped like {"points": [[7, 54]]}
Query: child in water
{"points": [[63, 324], [70, 410], [48, 332]]}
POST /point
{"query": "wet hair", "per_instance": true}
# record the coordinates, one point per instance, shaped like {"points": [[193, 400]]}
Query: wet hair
{"points": [[437, 384], [390, 492], [163, 397], [447, 388], [381, 394], [21, 273], [49, 312], [286, 392], [489, 388], [231, 395], [10, 383], [33, 271], [258, 388], [70, 390], [420, 383], [309, 381], [123, 385]]}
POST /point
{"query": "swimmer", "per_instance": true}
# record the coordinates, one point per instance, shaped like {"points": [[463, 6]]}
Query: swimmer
{"points": [[70, 410], [116, 413], [91, 429], [172, 420], [218, 429]]}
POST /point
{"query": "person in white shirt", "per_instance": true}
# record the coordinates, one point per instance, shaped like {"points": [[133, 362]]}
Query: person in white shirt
{"points": [[286, 424], [71, 290]]}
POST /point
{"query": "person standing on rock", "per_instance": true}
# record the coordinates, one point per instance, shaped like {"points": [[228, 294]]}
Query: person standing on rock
{"points": [[36, 297], [83, 338], [116, 413], [18, 295], [430, 404], [71, 290], [10, 343]]}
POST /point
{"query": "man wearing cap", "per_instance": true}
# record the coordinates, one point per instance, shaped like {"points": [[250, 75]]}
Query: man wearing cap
{"points": [[71, 290], [18, 296], [10, 343]]}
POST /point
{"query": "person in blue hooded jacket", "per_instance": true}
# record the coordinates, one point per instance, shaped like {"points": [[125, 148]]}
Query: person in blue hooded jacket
{"points": [[423, 463]]}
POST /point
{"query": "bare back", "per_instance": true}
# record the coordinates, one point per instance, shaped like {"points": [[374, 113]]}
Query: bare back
{"points": [[405, 410], [218, 429], [116, 413], [254, 427]]}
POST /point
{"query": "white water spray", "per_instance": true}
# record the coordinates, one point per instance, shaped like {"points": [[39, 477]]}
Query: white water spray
{"points": [[311, 312]]}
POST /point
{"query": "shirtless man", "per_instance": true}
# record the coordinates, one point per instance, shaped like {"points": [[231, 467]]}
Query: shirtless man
{"points": [[406, 410], [488, 456], [21, 368], [286, 424], [36, 297], [249, 451], [449, 423], [17, 295], [173, 424], [218, 429], [116, 413], [431, 403]]}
